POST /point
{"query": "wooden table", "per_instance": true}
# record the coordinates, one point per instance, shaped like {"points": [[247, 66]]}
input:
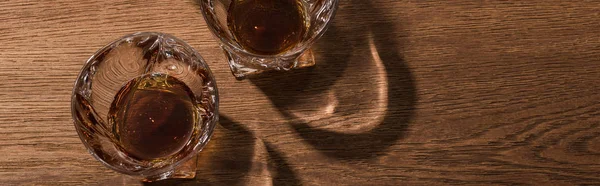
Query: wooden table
{"points": [[404, 93]]}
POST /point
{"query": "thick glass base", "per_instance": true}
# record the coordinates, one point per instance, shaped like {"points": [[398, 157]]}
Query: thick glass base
{"points": [[186, 170], [243, 66]]}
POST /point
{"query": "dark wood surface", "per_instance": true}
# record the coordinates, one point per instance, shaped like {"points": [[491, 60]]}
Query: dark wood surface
{"points": [[404, 93]]}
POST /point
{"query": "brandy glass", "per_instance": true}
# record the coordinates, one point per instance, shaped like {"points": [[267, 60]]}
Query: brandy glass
{"points": [[145, 105], [263, 35]]}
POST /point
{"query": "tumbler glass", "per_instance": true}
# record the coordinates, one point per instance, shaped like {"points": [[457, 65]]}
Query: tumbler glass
{"points": [[263, 35], [145, 105]]}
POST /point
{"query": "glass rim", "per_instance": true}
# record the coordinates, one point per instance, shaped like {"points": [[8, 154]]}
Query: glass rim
{"points": [[228, 45], [149, 171]]}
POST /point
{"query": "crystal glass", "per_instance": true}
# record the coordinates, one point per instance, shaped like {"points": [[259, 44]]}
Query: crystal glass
{"points": [[261, 35], [145, 105]]}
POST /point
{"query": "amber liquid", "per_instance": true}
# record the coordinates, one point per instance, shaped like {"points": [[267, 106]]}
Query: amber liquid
{"points": [[267, 26], [153, 116]]}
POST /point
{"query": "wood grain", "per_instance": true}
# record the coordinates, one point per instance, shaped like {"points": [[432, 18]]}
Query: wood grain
{"points": [[404, 93]]}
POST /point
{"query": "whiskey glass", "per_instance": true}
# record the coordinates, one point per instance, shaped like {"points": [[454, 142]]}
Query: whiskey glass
{"points": [[145, 105], [265, 35]]}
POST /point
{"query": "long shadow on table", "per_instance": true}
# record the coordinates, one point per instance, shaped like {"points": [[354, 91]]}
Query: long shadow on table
{"points": [[354, 35]]}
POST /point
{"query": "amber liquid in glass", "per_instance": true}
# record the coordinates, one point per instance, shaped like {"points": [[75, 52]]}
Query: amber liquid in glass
{"points": [[267, 27], [153, 116]]}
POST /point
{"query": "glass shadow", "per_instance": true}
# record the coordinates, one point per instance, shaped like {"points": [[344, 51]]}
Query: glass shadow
{"points": [[360, 97]]}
